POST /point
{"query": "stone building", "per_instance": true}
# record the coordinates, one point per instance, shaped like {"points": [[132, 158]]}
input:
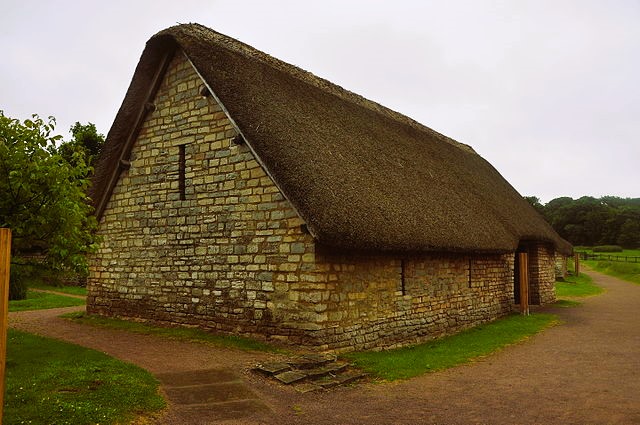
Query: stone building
{"points": [[242, 194]]}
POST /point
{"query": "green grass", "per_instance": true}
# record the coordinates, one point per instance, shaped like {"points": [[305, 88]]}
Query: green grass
{"points": [[577, 286], [53, 382], [567, 303], [625, 271], [41, 300], [73, 290], [626, 252], [180, 333], [404, 363]]}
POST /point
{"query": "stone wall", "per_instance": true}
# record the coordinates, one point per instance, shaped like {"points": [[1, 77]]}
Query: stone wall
{"points": [[216, 258], [561, 266], [542, 275], [223, 249], [383, 300]]}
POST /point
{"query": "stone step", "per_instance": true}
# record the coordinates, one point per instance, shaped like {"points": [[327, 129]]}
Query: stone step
{"points": [[330, 369], [311, 372], [291, 376], [272, 368], [341, 379], [311, 361]]}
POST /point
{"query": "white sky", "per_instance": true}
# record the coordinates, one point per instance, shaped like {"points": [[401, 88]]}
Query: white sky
{"points": [[547, 91]]}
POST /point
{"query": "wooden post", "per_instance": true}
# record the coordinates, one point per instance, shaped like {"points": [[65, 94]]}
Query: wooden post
{"points": [[576, 262], [524, 283], [5, 261]]}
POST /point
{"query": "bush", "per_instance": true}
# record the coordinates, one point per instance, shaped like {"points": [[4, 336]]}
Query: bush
{"points": [[25, 274], [19, 275], [607, 248]]}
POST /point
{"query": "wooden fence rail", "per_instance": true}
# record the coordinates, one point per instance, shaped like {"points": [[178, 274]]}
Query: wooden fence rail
{"points": [[608, 257]]}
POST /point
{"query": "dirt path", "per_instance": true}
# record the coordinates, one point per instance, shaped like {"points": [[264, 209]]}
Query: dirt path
{"points": [[64, 294], [585, 371]]}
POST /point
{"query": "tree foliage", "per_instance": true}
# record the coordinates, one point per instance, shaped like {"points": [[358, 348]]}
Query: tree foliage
{"points": [[590, 221], [86, 140], [43, 196]]}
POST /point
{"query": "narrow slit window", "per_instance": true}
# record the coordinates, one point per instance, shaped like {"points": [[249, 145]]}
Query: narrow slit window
{"points": [[182, 167], [470, 272], [403, 288]]}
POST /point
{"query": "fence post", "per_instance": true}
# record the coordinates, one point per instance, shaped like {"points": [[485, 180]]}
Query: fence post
{"points": [[577, 264], [523, 258], [5, 261]]}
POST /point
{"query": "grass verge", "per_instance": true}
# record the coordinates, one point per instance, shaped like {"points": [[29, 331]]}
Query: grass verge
{"points": [[53, 382], [577, 286], [567, 303], [625, 252], [625, 271], [180, 333], [72, 290], [41, 300], [404, 363]]}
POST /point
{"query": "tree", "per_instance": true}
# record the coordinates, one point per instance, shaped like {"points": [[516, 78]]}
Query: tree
{"points": [[594, 221], [535, 203], [86, 140], [629, 234], [43, 198]]}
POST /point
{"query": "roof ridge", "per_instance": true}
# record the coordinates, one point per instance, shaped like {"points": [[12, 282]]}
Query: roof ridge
{"points": [[237, 46]]}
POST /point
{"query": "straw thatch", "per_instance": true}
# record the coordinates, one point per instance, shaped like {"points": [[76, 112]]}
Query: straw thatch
{"points": [[360, 175]]}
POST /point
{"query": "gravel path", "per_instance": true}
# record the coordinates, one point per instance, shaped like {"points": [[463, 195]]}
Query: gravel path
{"points": [[586, 370]]}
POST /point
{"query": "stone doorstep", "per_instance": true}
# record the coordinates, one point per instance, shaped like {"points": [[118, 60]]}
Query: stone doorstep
{"points": [[290, 377], [311, 372], [327, 370], [342, 379], [312, 361], [273, 368], [304, 362]]}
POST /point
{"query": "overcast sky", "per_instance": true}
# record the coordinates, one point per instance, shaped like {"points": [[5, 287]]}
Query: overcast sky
{"points": [[547, 91]]}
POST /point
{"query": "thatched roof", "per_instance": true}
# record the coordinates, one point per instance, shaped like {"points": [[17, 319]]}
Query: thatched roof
{"points": [[359, 174]]}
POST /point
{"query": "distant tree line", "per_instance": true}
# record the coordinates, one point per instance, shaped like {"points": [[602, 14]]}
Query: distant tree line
{"points": [[590, 221]]}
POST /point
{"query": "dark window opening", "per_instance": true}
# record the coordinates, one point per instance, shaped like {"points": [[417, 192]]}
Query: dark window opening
{"points": [[402, 278], [182, 167], [469, 272]]}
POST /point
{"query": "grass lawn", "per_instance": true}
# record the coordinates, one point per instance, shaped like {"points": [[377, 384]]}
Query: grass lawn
{"points": [[404, 363], [53, 382], [577, 286], [73, 290], [567, 303], [625, 252], [622, 270], [181, 333], [625, 271], [41, 300]]}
